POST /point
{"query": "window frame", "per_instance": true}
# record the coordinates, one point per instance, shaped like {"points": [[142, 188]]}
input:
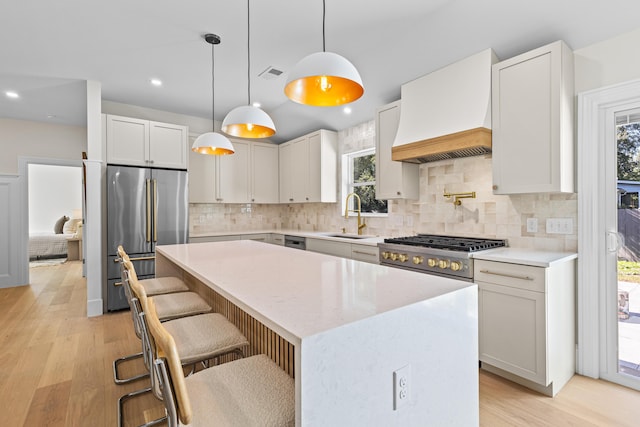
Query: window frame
{"points": [[348, 184]]}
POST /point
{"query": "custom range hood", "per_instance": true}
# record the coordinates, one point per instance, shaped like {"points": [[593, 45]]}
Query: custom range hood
{"points": [[447, 113]]}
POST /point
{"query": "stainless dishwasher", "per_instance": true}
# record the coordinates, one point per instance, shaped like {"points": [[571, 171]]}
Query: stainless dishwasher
{"points": [[295, 242]]}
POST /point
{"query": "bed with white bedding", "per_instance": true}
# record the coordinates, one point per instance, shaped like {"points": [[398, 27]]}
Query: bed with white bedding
{"points": [[48, 245], [53, 244]]}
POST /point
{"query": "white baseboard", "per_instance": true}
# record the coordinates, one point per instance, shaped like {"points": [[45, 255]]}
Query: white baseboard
{"points": [[94, 308]]}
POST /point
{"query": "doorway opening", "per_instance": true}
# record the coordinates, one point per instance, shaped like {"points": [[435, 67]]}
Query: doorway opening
{"points": [[51, 189]]}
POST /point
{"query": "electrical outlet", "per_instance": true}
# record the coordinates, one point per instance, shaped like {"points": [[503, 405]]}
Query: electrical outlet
{"points": [[560, 226], [401, 386], [532, 225]]}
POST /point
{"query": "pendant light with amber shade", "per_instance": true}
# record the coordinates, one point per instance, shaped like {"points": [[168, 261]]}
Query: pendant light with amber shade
{"points": [[212, 143], [248, 121], [324, 79]]}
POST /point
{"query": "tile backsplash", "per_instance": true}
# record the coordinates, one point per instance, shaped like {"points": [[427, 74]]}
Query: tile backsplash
{"points": [[487, 215]]}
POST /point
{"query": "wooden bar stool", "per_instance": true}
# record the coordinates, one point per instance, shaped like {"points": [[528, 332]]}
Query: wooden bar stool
{"points": [[252, 391], [155, 286], [199, 338]]}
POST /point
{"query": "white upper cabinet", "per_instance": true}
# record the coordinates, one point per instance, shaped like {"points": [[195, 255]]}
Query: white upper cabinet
{"points": [[264, 177], [250, 175], [308, 168], [168, 145], [394, 180], [233, 174], [139, 142], [202, 177], [532, 121], [285, 171]]}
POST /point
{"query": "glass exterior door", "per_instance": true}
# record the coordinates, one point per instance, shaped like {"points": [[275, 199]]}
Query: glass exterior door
{"points": [[623, 287]]}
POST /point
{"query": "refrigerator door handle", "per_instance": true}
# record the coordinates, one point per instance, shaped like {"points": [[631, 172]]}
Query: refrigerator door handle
{"points": [[155, 210], [148, 210]]}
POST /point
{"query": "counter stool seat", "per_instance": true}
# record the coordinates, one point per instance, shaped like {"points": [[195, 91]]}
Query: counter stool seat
{"points": [[252, 391], [204, 337], [163, 285], [157, 285], [181, 304]]}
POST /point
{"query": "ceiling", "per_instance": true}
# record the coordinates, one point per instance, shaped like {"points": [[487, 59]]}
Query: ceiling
{"points": [[54, 46]]}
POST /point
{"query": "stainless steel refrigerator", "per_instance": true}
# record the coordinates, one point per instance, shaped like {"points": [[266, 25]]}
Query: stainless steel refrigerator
{"points": [[145, 207]]}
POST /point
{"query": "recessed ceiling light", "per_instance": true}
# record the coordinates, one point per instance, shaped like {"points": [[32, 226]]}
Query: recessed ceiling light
{"points": [[12, 94], [51, 116], [256, 104], [347, 110], [156, 82]]}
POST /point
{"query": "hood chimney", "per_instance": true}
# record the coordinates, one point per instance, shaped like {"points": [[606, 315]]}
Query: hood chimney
{"points": [[447, 113]]}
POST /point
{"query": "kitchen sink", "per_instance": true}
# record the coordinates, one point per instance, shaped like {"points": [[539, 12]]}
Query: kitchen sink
{"points": [[347, 236]]}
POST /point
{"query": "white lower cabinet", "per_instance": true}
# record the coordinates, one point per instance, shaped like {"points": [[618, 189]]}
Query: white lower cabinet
{"points": [[329, 247], [365, 253], [526, 318], [259, 237], [276, 239]]}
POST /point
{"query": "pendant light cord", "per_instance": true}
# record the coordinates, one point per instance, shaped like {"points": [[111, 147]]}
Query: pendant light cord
{"points": [[213, 89], [248, 56], [324, 11]]}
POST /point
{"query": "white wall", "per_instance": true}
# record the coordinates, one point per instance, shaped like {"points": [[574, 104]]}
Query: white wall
{"points": [[37, 139], [53, 191], [609, 62]]}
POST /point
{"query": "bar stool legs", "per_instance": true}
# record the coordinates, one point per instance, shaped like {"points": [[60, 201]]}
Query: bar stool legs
{"points": [[123, 359]]}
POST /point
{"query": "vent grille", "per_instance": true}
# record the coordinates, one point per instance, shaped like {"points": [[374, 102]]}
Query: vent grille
{"points": [[270, 73], [466, 152]]}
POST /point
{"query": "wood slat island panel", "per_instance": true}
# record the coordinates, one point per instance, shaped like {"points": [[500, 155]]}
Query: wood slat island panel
{"points": [[262, 340]]}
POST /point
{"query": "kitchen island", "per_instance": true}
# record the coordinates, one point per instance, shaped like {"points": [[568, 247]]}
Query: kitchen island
{"points": [[342, 328]]}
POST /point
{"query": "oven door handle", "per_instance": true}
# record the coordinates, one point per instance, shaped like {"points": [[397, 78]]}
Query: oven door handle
{"points": [[512, 276]]}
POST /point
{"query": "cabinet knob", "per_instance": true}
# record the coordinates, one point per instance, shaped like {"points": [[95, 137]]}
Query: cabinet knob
{"points": [[253, 200], [151, 161], [291, 200], [495, 187], [307, 198], [398, 193]]}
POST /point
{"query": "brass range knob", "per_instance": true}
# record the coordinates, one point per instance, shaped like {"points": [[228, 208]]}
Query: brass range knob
{"points": [[432, 262], [394, 256], [386, 255], [403, 257], [418, 260], [456, 265], [443, 264]]}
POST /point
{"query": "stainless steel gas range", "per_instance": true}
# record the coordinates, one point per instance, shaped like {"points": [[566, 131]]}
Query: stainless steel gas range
{"points": [[447, 256]]}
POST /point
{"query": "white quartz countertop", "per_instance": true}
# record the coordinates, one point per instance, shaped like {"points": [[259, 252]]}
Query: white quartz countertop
{"points": [[304, 293], [525, 256], [324, 235]]}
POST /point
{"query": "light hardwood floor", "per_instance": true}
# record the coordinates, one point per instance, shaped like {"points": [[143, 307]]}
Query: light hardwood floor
{"points": [[55, 369]]}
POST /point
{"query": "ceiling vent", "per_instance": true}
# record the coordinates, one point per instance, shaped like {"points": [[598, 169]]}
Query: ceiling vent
{"points": [[270, 73]]}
